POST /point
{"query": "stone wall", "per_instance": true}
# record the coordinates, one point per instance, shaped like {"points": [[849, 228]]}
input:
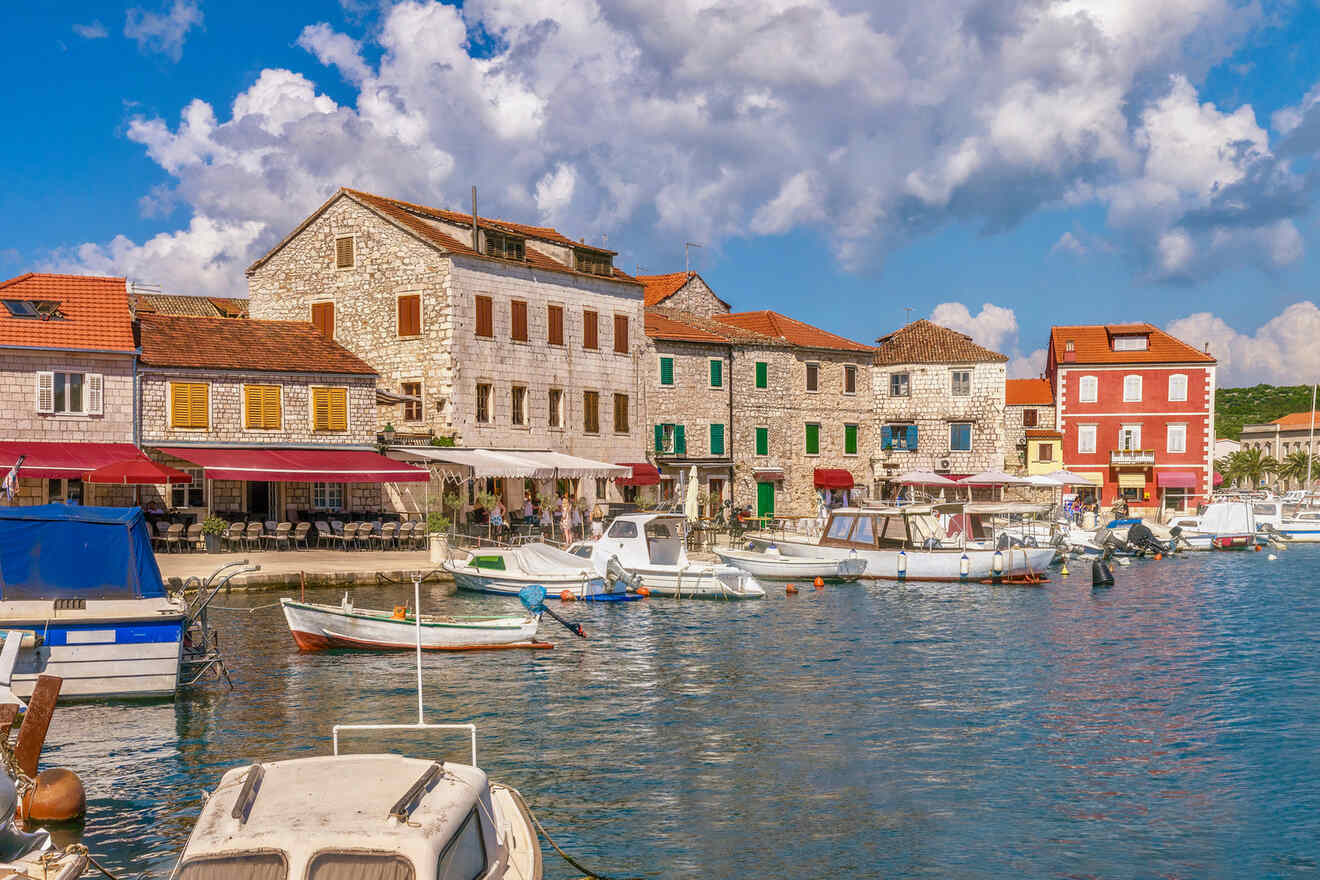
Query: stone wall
{"points": [[1015, 438], [932, 407], [695, 297], [18, 398], [227, 408], [690, 401]]}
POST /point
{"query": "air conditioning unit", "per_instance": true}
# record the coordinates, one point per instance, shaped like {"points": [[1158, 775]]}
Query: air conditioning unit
{"points": [[944, 464]]}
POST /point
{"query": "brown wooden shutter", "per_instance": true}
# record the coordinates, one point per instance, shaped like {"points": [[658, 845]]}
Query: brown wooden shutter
{"points": [[621, 334], [410, 315], [589, 334], [591, 412], [323, 319], [344, 252], [485, 316], [621, 414], [555, 319], [518, 320]]}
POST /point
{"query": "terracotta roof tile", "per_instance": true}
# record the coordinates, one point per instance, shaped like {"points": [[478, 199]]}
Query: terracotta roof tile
{"points": [[789, 330], [94, 313], [1028, 392], [227, 344], [659, 288], [663, 326], [183, 304], [1297, 420], [925, 342], [1092, 345], [1043, 434]]}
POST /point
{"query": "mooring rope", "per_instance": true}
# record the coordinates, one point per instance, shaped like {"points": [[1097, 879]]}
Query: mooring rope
{"points": [[590, 874]]}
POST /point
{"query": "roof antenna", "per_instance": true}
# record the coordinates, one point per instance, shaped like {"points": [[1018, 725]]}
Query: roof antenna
{"points": [[687, 262], [476, 245], [907, 317]]}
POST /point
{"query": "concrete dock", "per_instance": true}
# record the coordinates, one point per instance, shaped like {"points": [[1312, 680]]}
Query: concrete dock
{"points": [[285, 569]]}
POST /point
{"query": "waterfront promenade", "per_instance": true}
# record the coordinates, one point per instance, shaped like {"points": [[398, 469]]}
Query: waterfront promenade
{"points": [[282, 568]]}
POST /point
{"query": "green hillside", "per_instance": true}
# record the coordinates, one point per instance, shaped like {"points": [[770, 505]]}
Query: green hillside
{"points": [[1235, 407]]}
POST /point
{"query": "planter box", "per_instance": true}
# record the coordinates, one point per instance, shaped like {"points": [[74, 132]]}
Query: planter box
{"points": [[212, 543]]}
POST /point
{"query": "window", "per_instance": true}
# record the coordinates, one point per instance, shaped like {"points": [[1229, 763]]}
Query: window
{"points": [[716, 373], [1129, 438], [506, 247], [347, 865], [344, 252], [518, 404], [666, 371], [899, 436], [1087, 440], [483, 403], [1030, 418], [594, 263], [329, 409], [189, 405], [262, 407], [42, 309], [622, 529], [189, 494], [762, 441], [75, 394], [898, 385], [409, 314], [813, 438], [323, 319], [960, 437], [850, 379], [716, 439], [961, 383], [620, 334], [1088, 389], [556, 408], [849, 439], [1131, 389], [464, 856], [554, 325], [1177, 387], [665, 437], [412, 409], [813, 377], [1177, 439], [241, 866], [1131, 343], [1045, 452], [518, 320], [591, 412], [590, 338], [621, 414], [485, 317], [762, 374], [839, 527]]}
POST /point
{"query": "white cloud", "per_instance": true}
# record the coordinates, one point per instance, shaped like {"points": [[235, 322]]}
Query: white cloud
{"points": [[163, 32], [1027, 366], [93, 31], [701, 120], [1068, 244], [1282, 351], [994, 327]]}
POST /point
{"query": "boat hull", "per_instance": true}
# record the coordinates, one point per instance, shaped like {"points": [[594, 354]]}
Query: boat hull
{"points": [[321, 627], [929, 565], [776, 566], [713, 582]]}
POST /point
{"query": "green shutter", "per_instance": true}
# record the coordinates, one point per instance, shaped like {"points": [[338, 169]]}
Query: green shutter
{"points": [[666, 371], [680, 441], [813, 439], [762, 377], [716, 374], [659, 438], [762, 441], [850, 439], [717, 439]]}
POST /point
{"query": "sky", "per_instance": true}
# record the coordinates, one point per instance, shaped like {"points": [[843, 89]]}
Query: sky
{"points": [[999, 166]]}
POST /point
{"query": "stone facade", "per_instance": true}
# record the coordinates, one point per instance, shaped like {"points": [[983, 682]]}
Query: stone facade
{"points": [[693, 402], [695, 296], [1279, 439], [18, 391], [1015, 428]]}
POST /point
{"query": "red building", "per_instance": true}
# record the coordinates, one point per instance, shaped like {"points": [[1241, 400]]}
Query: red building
{"points": [[1136, 409]]}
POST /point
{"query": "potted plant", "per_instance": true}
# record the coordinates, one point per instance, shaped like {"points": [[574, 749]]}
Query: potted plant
{"points": [[388, 433], [212, 528]]}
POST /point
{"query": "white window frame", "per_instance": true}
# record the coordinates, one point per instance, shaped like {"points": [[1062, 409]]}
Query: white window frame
{"points": [[1179, 430], [93, 401], [1085, 382], [1086, 439], [1132, 381], [326, 491], [806, 385], [907, 382], [353, 238], [1174, 379], [1135, 429], [198, 484], [953, 387]]}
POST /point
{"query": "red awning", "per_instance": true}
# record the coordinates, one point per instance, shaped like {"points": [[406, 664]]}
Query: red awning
{"points": [[137, 472], [1177, 479], [833, 478], [299, 465], [68, 460], [643, 474]]}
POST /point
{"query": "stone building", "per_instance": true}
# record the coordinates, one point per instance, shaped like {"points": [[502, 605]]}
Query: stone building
{"points": [[684, 291], [272, 420], [1033, 444], [497, 335], [66, 386], [1285, 436], [939, 404], [144, 300]]}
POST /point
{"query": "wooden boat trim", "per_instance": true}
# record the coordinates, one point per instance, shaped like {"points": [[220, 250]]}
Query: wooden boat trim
{"points": [[472, 622], [333, 637]]}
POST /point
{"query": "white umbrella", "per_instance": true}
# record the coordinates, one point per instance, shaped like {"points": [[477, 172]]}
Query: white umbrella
{"points": [[1044, 480], [690, 506], [1068, 478], [924, 478], [994, 478]]}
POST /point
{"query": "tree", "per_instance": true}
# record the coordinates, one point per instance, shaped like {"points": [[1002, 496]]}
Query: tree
{"points": [[1224, 467], [1294, 467], [1251, 466]]}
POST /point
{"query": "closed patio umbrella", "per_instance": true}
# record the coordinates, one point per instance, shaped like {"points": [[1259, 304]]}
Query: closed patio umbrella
{"points": [[690, 506], [137, 472]]}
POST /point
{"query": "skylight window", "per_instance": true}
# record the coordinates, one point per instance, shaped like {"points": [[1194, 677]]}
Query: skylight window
{"points": [[1131, 343], [39, 309]]}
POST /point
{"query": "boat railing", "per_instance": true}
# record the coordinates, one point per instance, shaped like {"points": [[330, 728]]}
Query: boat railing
{"points": [[470, 728]]}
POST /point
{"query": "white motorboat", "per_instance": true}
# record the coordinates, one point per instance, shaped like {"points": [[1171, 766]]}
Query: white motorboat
{"points": [[908, 543], [320, 627], [1293, 522], [1224, 525], [770, 564], [505, 571], [650, 547], [990, 525]]}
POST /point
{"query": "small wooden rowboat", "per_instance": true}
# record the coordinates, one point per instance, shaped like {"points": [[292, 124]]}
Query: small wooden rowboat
{"points": [[319, 627]]}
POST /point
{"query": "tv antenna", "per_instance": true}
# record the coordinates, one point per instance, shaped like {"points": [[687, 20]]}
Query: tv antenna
{"points": [[687, 260], [907, 315]]}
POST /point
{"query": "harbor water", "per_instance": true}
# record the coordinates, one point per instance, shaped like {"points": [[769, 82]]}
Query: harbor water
{"points": [[1167, 727]]}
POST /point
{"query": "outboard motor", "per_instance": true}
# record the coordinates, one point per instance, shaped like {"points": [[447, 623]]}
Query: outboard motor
{"points": [[1142, 539], [1101, 576], [616, 575]]}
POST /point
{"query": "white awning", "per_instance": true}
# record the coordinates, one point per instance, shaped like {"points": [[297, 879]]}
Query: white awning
{"points": [[571, 466], [483, 462]]}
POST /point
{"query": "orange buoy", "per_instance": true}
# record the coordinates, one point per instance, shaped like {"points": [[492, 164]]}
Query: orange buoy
{"points": [[819, 583], [791, 590], [643, 591], [1257, 548], [56, 796], [1159, 556], [566, 596], [400, 612]]}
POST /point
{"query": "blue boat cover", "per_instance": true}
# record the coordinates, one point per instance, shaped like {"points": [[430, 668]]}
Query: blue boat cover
{"points": [[58, 551]]}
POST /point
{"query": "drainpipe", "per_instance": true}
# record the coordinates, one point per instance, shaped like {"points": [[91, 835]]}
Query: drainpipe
{"points": [[729, 441], [137, 408]]}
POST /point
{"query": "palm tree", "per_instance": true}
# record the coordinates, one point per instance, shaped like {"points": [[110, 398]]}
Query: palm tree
{"points": [[1224, 467], [1251, 466], [1297, 466]]}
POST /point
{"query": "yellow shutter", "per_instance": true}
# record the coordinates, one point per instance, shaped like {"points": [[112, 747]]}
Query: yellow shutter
{"points": [[178, 405], [188, 405], [263, 407], [338, 409], [270, 408], [252, 400], [320, 409], [329, 409]]}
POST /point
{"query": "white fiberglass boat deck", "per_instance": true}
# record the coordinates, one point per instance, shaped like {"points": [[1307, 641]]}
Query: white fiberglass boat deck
{"points": [[650, 547]]}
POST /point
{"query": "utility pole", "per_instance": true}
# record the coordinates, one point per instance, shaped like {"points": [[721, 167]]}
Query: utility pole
{"points": [[687, 261]]}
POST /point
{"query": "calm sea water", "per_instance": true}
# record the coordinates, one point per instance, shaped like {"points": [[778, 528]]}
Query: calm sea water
{"points": [[1168, 727]]}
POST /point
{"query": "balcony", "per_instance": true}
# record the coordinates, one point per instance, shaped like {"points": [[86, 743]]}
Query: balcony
{"points": [[1119, 457]]}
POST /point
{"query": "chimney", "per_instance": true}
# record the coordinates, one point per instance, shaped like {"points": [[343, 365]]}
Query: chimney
{"points": [[476, 242], [1207, 348]]}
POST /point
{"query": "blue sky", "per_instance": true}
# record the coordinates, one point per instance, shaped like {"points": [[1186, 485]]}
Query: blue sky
{"points": [[1081, 161]]}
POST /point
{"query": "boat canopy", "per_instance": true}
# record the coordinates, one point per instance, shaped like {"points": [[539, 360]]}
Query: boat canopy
{"points": [[58, 551], [996, 508]]}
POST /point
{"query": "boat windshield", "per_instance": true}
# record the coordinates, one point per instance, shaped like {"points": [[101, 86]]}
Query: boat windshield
{"points": [[840, 526], [865, 531], [464, 857], [265, 865], [925, 528], [338, 865]]}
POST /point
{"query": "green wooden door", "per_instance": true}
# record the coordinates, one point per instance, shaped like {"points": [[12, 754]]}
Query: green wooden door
{"points": [[765, 499]]}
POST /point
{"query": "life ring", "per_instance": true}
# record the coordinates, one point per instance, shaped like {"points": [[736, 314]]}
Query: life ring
{"points": [[400, 612]]}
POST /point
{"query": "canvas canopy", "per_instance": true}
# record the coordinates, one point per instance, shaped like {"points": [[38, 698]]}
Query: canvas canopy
{"points": [[57, 551]]}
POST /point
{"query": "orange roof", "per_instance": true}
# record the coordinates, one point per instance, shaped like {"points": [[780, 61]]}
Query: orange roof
{"points": [[660, 326], [1092, 344], [185, 304], [93, 313], [1028, 392], [790, 330], [925, 342], [227, 344], [659, 288], [1043, 434], [1296, 420]]}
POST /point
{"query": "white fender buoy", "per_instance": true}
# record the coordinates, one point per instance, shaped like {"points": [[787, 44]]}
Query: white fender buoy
{"points": [[1271, 557]]}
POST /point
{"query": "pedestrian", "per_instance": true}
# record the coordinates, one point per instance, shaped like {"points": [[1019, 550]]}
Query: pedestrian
{"points": [[598, 521], [566, 518], [527, 506], [547, 522], [577, 518]]}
